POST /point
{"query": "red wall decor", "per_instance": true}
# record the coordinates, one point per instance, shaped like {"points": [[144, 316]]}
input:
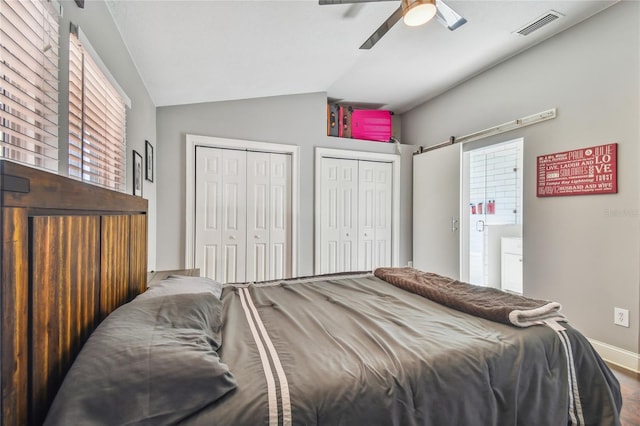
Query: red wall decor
{"points": [[582, 171]]}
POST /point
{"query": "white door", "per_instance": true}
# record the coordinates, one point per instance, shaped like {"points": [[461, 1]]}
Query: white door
{"points": [[234, 216], [268, 216], [355, 215], [243, 215], [258, 215], [339, 215], [436, 211], [208, 234], [374, 214], [281, 213], [221, 213]]}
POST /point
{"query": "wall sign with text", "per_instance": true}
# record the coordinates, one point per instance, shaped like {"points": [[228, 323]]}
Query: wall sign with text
{"points": [[579, 172]]}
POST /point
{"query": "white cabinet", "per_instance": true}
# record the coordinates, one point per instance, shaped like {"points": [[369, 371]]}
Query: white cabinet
{"points": [[512, 264]]}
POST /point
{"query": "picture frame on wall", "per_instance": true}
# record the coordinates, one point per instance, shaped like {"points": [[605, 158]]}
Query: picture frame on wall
{"points": [[137, 173], [148, 151]]}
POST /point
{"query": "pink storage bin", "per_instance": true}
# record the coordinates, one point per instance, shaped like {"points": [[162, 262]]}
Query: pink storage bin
{"points": [[371, 124]]}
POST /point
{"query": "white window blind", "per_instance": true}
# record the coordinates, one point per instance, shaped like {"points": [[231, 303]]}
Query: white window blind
{"points": [[96, 121], [29, 32]]}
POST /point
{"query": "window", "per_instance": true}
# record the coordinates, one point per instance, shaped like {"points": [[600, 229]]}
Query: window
{"points": [[96, 119], [29, 82]]}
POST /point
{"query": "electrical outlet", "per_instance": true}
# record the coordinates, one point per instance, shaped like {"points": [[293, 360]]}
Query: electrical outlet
{"points": [[621, 317], [410, 264]]}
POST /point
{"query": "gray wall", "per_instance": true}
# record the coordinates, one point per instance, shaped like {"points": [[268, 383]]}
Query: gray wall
{"points": [[96, 22], [296, 120], [582, 251]]}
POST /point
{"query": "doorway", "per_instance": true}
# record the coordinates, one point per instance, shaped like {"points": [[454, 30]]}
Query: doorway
{"points": [[492, 215]]}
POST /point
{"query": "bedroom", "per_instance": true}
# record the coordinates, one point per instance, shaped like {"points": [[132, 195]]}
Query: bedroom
{"points": [[581, 261], [581, 251]]}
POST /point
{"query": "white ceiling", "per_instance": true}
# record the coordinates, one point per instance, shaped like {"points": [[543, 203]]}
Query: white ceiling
{"points": [[191, 51]]}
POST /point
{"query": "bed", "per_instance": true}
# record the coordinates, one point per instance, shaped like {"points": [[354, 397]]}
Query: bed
{"points": [[397, 346], [345, 349]]}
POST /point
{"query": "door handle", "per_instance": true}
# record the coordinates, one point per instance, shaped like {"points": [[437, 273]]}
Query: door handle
{"points": [[454, 224], [480, 225]]}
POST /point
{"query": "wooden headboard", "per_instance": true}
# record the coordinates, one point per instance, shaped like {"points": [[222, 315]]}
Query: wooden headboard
{"points": [[71, 253]]}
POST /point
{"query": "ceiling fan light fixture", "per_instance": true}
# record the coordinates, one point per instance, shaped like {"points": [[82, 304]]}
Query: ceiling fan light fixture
{"points": [[418, 12]]}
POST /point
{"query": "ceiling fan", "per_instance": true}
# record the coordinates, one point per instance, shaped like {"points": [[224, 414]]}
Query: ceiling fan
{"points": [[413, 12]]}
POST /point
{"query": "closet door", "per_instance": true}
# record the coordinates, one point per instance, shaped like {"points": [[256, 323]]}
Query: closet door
{"points": [[234, 215], [374, 218], [268, 216], [280, 217], [243, 215], [208, 223], [221, 213], [339, 215], [258, 220]]}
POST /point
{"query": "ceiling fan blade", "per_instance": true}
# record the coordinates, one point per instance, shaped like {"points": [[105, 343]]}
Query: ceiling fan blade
{"points": [[448, 17], [326, 2], [382, 29]]}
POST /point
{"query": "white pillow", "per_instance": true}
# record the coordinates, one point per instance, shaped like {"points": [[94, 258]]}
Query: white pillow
{"points": [[180, 284]]}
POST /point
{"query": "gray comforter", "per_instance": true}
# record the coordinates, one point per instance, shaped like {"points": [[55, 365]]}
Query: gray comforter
{"points": [[355, 350]]}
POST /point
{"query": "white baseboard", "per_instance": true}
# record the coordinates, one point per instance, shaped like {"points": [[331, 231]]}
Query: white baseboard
{"points": [[617, 356]]}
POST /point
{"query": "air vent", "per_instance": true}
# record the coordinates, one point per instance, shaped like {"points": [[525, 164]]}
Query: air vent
{"points": [[545, 19]]}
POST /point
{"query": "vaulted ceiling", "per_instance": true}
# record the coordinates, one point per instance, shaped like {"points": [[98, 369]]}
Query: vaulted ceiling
{"points": [[191, 51]]}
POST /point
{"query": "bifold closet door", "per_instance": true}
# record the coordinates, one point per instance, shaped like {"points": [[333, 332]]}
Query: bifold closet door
{"points": [[221, 213], [268, 216], [374, 217], [339, 215], [243, 215], [355, 215]]}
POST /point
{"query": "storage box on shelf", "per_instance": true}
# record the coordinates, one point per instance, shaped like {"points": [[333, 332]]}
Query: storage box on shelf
{"points": [[351, 121]]}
